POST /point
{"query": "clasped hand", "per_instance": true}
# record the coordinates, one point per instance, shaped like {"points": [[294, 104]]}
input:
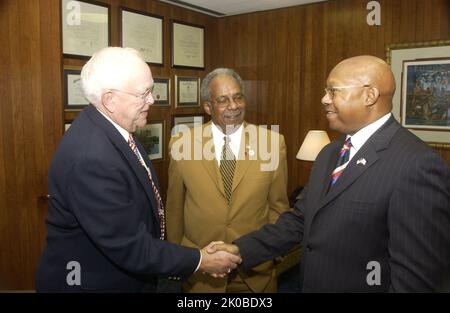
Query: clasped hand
{"points": [[219, 258]]}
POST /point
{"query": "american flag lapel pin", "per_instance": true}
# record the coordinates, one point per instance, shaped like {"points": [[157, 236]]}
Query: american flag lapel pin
{"points": [[361, 161]]}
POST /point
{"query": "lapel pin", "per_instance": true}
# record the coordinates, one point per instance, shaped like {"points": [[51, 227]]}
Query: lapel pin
{"points": [[361, 161], [250, 151]]}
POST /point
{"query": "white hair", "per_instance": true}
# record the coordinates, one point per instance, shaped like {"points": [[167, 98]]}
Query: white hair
{"points": [[109, 68], [205, 92]]}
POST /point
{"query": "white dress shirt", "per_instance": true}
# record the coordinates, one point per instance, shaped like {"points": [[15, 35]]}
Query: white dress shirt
{"points": [[235, 141], [360, 137], [125, 134]]}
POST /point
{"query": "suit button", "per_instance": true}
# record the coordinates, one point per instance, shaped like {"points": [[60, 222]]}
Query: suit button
{"points": [[309, 247]]}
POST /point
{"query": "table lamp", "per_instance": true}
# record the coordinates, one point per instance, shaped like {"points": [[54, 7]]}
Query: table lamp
{"points": [[314, 141]]}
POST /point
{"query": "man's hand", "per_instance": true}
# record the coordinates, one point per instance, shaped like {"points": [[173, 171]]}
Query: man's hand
{"points": [[218, 262], [221, 246]]}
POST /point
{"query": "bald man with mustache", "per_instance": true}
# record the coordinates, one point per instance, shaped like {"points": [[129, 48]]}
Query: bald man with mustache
{"points": [[375, 214]]}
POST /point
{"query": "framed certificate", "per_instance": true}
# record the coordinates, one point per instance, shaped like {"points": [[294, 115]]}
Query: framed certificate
{"points": [[189, 121], [143, 32], [85, 27], [73, 94], [187, 45], [187, 91], [161, 91]]}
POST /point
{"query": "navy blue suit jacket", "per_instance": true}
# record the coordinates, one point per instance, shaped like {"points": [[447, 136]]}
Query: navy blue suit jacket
{"points": [[392, 208], [102, 214]]}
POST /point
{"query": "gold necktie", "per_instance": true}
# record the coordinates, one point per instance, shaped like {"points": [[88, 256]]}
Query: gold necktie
{"points": [[227, 167]]}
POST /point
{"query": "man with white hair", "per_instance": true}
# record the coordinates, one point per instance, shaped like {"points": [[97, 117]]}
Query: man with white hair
{"points": [[105, 223]]}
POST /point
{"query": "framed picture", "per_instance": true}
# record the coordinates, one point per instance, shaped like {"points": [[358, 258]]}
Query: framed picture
{"points": [[187, 121], [152, 138], [161, 91], [187, 45], [403, 57], [187, 91], [73, 94], [85, 27], [143, 32], [425, 94]]}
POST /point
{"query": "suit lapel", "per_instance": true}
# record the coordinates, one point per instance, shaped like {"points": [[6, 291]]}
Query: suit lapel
{"points": [[329, 167], [210, 166], [243, 161], [351, 173], [144, 179], [368, 152], [119, 142]]}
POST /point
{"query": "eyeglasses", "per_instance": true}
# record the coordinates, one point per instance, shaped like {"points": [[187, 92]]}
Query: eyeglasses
{"points": [[143, 96], [331, 91], [225, 101]]}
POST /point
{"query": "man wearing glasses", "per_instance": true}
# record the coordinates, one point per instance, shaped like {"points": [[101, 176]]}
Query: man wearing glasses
{"points": [[375, 215], [225, 191], [106, 221]]}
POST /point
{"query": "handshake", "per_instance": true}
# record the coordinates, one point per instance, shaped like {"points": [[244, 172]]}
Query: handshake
{"points": [[219, 259]]}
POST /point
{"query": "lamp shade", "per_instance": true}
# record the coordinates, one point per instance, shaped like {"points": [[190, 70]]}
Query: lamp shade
{"points": [[314, 141]]}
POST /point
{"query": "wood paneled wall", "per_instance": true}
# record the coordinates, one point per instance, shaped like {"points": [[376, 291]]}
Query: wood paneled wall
{"points": [[31, 122], [285, 56]]}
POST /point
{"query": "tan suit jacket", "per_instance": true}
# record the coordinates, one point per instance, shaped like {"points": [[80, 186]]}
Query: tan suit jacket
{"points": [[198, 213]]}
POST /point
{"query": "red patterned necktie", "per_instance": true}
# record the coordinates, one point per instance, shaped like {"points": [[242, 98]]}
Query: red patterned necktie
{"points": [[344, 156], [162, 219]]}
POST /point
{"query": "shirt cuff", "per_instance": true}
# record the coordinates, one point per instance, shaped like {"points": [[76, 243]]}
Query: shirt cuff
{"points": [[199, 262]]}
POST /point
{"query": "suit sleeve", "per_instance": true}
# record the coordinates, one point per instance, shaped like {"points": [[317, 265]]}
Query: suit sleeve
{"points": [[100, 197], [419, 226], [175, 200], [273, 240], [277, 198]]}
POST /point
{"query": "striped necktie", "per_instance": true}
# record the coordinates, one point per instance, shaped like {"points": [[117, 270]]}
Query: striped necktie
{"points": [[162, 219], [227, 167], [342, 162]]}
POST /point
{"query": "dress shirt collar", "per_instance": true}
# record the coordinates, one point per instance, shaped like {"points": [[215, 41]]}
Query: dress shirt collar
{"points": [[360, 137], [125, 134], [235, 139]]}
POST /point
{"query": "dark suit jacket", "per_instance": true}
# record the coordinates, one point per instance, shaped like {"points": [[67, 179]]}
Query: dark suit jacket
{"points": [[394, 210], [102, 214]]}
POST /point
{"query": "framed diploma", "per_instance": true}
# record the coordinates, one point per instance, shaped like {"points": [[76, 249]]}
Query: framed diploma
{"points": [[187, 91], [187, 45], [143, 32], [189, 121], [85, 27], [73, 94], [161, 91]]}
